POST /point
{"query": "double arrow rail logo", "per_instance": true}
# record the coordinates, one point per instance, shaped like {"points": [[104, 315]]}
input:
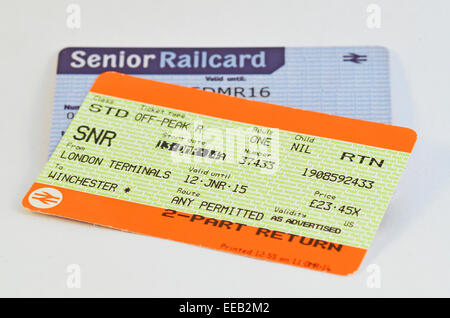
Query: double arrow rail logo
{"points": [[355, 58]]}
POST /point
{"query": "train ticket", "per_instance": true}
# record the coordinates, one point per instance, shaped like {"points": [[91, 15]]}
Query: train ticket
{"points": [[266, 181]]}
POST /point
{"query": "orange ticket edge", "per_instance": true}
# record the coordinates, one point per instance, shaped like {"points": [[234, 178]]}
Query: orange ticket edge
{"points": [[203, 231], [255, 112]]}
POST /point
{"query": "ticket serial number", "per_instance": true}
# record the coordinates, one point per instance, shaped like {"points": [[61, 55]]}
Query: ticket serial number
{"points": [[338, 178]]}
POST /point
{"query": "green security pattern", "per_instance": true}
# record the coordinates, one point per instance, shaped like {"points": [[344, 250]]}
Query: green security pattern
{"points": [[284, 186]]}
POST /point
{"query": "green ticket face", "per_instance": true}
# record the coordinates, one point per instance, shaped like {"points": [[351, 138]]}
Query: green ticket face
{"points": [[316, 187], [267, 178]]}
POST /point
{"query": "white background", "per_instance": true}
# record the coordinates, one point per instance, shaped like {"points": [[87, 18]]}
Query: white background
{"points": [[412, 246]]}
